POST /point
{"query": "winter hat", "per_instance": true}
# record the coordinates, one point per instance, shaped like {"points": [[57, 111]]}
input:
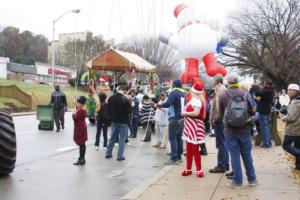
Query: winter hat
{"points": [[218, 79], [233, 78], [57, 87], [197, 88], [177, 84], [294, 87], [81, 100], [120, 89], [146, 97]]}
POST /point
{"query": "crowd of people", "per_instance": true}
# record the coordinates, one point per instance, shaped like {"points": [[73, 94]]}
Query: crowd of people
{"points": [[232, 113]]}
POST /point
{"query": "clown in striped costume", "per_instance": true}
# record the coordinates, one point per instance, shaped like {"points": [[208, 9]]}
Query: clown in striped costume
{"points": [[194, 129]]}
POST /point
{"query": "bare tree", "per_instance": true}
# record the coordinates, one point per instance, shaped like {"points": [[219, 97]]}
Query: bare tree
{"points": [[266, 39], [85, 50], [151, 49]]}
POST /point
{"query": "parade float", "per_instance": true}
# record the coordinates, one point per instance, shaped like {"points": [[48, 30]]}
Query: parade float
{"points": [[105, 70]]}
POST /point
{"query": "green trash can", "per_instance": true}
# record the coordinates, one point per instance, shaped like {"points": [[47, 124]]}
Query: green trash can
{"points": [[45, 115]]}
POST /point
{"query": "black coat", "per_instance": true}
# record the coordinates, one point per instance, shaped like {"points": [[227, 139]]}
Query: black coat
{"points": [[103, 115], [58, 100], [266, 100], [119, 108]]}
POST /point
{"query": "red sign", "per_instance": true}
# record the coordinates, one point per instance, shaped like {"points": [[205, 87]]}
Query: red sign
{"points": [[59, 72]]}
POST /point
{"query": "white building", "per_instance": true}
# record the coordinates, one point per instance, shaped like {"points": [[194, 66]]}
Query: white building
{"points": [[3, 67], [61, 74], [38, 73]]}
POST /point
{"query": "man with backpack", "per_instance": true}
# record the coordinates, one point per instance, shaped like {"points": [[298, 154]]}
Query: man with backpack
{"points": [[236, 109]]}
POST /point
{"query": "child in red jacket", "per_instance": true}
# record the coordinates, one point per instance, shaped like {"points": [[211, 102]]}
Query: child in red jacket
{"points": [[80, 129]]}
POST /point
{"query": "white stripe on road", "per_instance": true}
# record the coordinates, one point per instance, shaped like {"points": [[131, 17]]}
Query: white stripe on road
{"points": [[68, 148]]}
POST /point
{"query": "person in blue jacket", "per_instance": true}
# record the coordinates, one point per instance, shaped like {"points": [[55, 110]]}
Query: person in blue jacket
{"points": [[175, 102]]}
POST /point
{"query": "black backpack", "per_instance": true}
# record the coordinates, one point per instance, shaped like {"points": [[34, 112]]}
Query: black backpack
{"points": [[236, 113]]}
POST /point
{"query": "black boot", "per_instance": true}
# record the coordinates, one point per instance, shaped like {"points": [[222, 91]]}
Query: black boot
{"points": [[203, 149], [79, 162]]}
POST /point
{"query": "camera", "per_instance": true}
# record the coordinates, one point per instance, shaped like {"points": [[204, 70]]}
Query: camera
{"points": [[283, 110]]}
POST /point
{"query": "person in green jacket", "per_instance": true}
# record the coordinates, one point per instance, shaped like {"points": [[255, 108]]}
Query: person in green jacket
{"points": [[292, 119]]}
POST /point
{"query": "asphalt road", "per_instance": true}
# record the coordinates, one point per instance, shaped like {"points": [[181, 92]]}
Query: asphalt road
{"points": [[44, 168]]}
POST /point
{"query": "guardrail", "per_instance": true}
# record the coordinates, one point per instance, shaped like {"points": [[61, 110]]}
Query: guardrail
{"points": [[13, 91]]}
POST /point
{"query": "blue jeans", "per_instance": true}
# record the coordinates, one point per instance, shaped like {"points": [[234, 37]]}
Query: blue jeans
{"points": [[265, 130], [292, 149], [239, 144], [134, 126], [118, 130], [223, 155], [175, 138]]}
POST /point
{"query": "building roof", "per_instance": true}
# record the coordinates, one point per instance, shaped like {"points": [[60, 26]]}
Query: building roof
{"points": [[20, 68], [116, 60], [56, 66]]}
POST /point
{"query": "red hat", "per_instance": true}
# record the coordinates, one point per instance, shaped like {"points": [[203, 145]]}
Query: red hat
{"points": [[179, 8], [105, 78], [197, 88]]}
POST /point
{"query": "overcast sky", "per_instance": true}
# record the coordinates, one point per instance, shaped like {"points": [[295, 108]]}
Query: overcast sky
{"points": [[111, 18]]}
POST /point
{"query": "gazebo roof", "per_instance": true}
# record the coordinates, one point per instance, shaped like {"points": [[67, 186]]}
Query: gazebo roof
{"points": [[116, 60]]}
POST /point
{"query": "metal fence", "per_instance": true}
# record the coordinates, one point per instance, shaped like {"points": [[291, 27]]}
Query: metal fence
{"points": [[13, 91]]}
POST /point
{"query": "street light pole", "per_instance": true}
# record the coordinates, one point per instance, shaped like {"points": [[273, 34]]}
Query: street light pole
{"points": [[53, 51], [53, 54]]}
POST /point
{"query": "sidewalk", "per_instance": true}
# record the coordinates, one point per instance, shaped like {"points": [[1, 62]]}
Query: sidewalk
{"points": [[272, 170]]}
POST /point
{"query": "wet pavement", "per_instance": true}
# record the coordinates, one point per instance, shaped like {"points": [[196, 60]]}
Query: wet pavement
{"points": [[44, 167]]}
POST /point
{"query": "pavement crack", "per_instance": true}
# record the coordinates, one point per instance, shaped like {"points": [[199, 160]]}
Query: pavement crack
{"points": [[216, 187]]}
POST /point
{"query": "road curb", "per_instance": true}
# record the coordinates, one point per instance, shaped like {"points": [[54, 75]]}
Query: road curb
{"points": [[22, 114], [136, 192]]}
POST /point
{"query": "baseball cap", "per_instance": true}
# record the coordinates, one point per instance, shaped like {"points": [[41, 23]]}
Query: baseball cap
{"points": [[233, 78]]}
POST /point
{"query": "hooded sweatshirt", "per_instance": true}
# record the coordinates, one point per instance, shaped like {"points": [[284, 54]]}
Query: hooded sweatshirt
{"points": [[102, 114], [214, 113]]}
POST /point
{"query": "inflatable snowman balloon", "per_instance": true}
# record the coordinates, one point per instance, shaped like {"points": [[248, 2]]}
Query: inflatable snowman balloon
{"points": [[195, 41]]}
